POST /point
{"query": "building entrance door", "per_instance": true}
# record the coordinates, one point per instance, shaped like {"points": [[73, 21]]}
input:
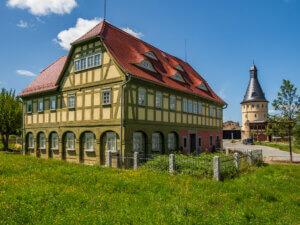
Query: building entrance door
{"points": [[192, 143]]}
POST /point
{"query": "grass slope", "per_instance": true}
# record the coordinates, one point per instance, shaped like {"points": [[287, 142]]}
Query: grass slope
{"points": [[280, 145], [34, 191]]}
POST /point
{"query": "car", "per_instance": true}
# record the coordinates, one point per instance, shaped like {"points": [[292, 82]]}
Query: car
{"points": [[248, 141]]}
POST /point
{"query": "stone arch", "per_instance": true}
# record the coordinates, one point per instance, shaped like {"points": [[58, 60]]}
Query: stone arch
{"points": [[140, 142], [53, 141], [87, 145], [109, 141], [68, 144], [173, 141], [41, 143], [157, 142], [29, 143]]}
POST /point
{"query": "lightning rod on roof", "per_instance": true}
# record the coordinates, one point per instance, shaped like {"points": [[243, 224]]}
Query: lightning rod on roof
{"points": [[104, 16]]}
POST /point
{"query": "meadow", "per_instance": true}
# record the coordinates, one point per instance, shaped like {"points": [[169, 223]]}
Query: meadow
{"points": [[37, 191]]}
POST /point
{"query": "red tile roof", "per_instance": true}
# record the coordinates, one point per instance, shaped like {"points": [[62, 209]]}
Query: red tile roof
{"points": [[47, 79], [128, 51]]}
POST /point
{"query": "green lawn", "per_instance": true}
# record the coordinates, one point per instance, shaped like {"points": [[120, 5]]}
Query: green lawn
{"points": [[280, 145], [35, 191]]}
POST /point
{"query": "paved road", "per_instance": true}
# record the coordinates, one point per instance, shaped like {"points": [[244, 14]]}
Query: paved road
{"points": [[269, 153]]}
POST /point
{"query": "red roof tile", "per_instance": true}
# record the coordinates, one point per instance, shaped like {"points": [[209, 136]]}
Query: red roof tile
{"points": [[128, 51], [47, 79]]}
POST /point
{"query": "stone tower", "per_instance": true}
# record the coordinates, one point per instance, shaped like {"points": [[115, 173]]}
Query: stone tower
{"points": [[254, 109]]}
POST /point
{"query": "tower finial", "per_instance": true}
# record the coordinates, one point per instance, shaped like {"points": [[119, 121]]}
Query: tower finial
{"points": [[104, 16]]}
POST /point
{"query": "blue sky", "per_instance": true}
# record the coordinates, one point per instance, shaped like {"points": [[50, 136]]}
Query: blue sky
{"points": [[223, 37]]}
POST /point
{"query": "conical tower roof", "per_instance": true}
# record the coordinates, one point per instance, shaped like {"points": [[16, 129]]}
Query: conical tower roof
{"points": [[254, 91]]}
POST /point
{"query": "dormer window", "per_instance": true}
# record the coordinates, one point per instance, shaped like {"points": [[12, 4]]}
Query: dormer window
{"points": [[147, 65], [151, 55], [179, 67], [178, 77], [202, 87]]}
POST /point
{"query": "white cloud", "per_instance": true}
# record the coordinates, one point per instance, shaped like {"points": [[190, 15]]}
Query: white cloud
{"points": [[25, 73], [132, 32], [66, 37], [44, 7], [22, 24]]}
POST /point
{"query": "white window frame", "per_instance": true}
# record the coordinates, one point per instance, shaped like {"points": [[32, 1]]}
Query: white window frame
{"points": [[87, 62], [158, 99], [111, 141], [190, 106], [195, 107], [138, 142], [70, 96], [142, 96], [29, 103], [54, 141], [53, 99], [40, 105], [172, 102], [156, 142], [89, 142], [70, 141], [97, 62], [106, 99], [42, 141], [30, 141]]}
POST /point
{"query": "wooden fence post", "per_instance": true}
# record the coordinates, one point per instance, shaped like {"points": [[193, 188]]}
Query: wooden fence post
{"points": [[216, 168]]}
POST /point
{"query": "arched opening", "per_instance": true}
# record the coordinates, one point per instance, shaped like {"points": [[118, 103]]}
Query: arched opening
{"points": [[139, 143], [68, 144], [53, 146], [109, 142], [87, 145], [29, 147], [172, 141], [41, 144], [157, 143]]}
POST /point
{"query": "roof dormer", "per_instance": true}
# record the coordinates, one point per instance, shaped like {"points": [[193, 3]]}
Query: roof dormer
{"points": [[202, 87], [151, 55], [179, 67], [145, 64], [177, 76]]}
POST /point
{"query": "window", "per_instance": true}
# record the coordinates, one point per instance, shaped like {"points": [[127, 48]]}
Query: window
{"points": [[106, 97], [172, 142], [83, 63], [138, 142], [151, 55], [54, 141], [212, 111], [219, 112], [210, 140], [87, 62], [146, 65], [184, 142], [257, 106], [30, 141], [156, 142], [71, 101], [70, 141], [29, 106], [255, 115], [184, 105], [190, 106], [202, 87], [40, 105], [53, 103], [89, 140], [200, 108], [172, 102], [142, 96], [97, 59], [179, 67], [158, 99], [42, 141], [195, 107], [111, 141], [199, 142], [90, 61]]}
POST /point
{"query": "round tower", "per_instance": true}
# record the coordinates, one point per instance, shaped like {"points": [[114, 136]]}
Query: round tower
{"points": [[254, 109]]}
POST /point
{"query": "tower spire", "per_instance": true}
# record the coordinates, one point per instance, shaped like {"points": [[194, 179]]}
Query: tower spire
{"points": [[104, 13]]}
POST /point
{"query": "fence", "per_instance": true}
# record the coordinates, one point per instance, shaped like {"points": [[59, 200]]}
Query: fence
{"points": [[218, 167]]}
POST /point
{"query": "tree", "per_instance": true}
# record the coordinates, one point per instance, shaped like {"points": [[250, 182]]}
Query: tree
{"points": [[288, 103], [276, 126], [10, 115], [297, 131]]}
